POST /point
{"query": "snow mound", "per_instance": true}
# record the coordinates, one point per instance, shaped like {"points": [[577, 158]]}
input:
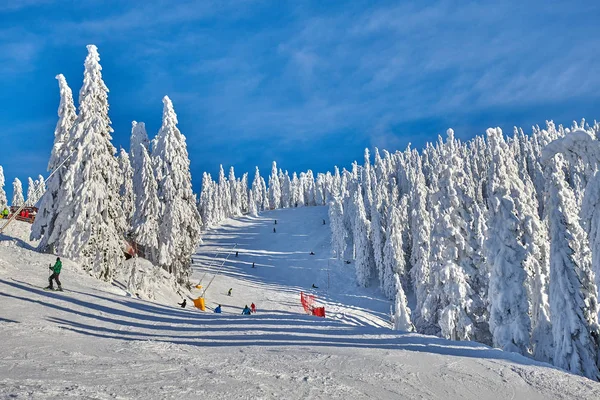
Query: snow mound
{"points": [[16, 234]]}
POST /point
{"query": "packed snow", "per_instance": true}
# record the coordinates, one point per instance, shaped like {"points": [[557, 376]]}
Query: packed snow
{"points": [[97, 340]]}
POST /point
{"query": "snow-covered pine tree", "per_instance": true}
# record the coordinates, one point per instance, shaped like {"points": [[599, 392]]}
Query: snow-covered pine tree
{"points": [[40, 185], [309, 189], [253, 211], [509, 309], [420, 222], [366, 184], [364, 262], [3, 200], [264, 194], [299, 189], [31, 196], [205, 203], [573, 294], [450, 294], [17, 199], [145, 221], [401, 316], [89, 223], [378, 230], [243, 193], [338, 230], [62, 148], [274, 188], [257, 190], [126, 189], [179, 224], [320, 189], [394, 263], [286, 189], [137, 142], [139, 139], [66, 118], [236, 201]]}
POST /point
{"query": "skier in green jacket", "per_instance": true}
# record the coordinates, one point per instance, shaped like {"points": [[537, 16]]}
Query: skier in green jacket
{"points": [[55, 273]]}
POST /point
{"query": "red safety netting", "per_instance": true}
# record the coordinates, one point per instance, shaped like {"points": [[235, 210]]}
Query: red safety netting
{"points": [[308, 303]]}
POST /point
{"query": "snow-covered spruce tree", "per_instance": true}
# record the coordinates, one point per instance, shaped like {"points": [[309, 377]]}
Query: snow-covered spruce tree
{"points": [[367, 184], [573, 301], [205, 205], [274, 188], [224, 195], [297, 192], [243, 193], [257, 190], [420, 220], [450, 294], [253, 211], [509, 309], [534, 238], [89, 223], [309, 189], [378, 229], [581, 145], [40, 185], [31, 192], [320, 190], [66, 119], [234, 195], [394, 262], [364, 262], [17, 199], [63, 143], [264, 194], [138, 139], [144, 224], [401, 316], [285, 185], [179, 224], [3, 200], [126, 190], [338, 230]]}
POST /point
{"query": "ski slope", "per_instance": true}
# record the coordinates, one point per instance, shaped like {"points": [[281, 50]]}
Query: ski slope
{"points": [[94, 341], [283, 268]]}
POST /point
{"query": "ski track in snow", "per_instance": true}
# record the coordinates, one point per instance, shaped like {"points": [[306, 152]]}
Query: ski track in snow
{"points": [[94, 342]]}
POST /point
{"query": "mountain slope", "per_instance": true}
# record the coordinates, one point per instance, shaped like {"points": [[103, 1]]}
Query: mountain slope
{"points": [[93, 342]]}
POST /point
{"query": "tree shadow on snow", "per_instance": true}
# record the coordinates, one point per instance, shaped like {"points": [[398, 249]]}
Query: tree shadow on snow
{"points": [[210, 330]]}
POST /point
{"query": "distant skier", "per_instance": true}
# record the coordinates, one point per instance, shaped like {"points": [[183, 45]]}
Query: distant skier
{"points": [[236, 253], [312, 254], [5, 213], [252, 308], [55, 273], [323, 222], [229, 291], [348, 262], [275, 222], [218, 309], [314, 287], [183, 303], [246, 310], [253, 265], [274, 231]]}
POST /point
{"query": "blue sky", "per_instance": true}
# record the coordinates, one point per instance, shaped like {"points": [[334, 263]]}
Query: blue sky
{"points": [[309, 84]]}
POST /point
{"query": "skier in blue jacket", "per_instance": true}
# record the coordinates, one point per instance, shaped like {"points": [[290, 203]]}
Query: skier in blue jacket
{"points": [[246, 310]]}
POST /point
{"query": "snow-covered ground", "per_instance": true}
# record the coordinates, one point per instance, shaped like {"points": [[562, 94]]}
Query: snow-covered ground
{"points": [[94, 341]]}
